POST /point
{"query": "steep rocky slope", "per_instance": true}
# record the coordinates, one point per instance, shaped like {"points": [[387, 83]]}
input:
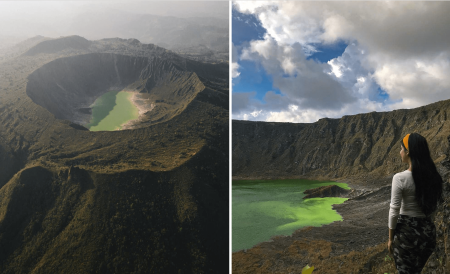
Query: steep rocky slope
{"points": [[153, 198], [357, 145], [361, 150]]}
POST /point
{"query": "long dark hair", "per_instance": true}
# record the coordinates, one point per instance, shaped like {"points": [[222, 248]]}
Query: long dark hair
{"points": [[427, 180]]}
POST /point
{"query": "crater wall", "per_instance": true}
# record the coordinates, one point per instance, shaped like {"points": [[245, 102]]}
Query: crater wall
{"points": [[68, 86], [335, 148]]}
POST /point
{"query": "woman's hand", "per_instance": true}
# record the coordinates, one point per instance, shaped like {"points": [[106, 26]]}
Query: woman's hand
{"points": [[391, 251], [391, 236]]}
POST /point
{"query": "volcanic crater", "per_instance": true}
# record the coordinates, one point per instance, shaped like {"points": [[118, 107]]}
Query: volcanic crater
{"points": [[67, 87], [153, 198]]}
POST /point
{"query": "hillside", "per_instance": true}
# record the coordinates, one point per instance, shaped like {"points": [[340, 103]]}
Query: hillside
{"points": [[352, 146], [152, 198], [361, 150]]}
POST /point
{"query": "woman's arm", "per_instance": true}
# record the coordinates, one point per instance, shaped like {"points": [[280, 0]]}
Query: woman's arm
{"points": [[396, 200], [391, 239]]}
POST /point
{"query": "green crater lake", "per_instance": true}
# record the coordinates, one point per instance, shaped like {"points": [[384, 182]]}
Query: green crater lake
{"points": [[112, 110], [265, 208]]}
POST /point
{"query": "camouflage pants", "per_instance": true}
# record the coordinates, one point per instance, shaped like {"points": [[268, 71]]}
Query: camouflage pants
{"points": [[414, 241]]}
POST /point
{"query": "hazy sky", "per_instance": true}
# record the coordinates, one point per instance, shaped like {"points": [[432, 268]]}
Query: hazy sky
{"points": [[53, 18], [302, 61]]}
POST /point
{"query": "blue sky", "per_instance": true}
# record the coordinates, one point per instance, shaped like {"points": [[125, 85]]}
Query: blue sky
{"points": [[253, 78], [302, 61], [327, 52]]}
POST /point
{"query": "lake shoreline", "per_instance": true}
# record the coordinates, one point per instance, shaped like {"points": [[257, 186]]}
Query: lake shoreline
{"points": [[363, 229], [112, 110], [142, 107], [279, 208]]}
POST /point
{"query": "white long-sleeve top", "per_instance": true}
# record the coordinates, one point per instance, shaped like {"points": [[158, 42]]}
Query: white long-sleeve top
{"points": [[403, 199]]}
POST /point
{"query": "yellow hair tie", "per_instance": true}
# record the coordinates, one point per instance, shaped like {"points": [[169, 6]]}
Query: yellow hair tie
{"points": [[405, 141]]}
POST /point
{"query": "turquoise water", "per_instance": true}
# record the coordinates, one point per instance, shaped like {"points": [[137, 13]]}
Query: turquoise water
{"points": [[262, 209], [111, 111]]}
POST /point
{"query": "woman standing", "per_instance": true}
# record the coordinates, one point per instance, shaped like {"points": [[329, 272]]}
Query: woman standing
{"points": [[415, 196]]}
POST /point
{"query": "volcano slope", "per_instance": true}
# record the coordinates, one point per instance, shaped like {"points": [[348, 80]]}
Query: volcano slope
{"points": [[360, 150], [149, 199]]}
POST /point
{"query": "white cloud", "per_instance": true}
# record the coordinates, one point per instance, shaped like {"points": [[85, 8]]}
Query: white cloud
{"points": [[335, 68], [400, 46], [256, 113], [416, 81], [296, 114], [302, 82], [353, 73], [235, 70]]}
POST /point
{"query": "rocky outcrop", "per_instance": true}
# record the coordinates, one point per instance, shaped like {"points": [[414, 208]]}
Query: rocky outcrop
{"points": [[326, 191]]}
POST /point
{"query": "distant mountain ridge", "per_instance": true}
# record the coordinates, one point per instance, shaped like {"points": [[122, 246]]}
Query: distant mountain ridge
{"points": [[56, 45], [167, 31], [78, 44]]}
